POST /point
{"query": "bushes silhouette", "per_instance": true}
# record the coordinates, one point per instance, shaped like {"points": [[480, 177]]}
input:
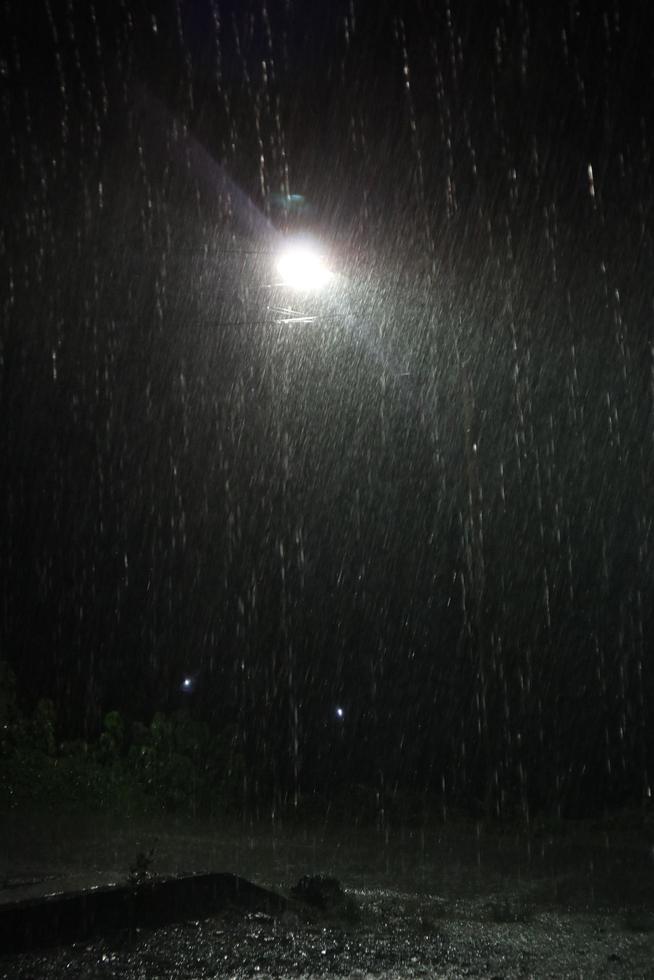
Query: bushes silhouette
{"points": [[175, 763]]}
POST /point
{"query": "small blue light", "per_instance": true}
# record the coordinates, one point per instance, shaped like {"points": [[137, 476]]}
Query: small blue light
{"points": [[187, 684], [340, 713]]}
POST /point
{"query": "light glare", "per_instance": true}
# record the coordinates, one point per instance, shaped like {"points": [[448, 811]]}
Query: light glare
{"points": [[302, 267]]}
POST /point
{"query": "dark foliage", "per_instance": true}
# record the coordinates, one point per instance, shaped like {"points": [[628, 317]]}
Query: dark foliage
{"points": [[175, 763]]}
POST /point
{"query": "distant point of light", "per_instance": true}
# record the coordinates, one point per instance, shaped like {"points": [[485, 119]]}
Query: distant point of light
{"points": [[302, 267], [187, 684], [340, 713]]}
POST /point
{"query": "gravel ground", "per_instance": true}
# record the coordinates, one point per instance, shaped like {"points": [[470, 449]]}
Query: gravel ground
{"points": [[395, 936], [448, 903]]}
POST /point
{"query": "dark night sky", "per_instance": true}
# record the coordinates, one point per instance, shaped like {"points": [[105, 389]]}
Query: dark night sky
{"points": [[431, 506]]}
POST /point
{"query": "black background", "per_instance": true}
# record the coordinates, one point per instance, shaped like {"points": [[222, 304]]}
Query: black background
{"points": [[459, 553]]}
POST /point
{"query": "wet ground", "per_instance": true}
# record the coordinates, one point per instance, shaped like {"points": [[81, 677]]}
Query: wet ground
{"points": [[450, 900]]}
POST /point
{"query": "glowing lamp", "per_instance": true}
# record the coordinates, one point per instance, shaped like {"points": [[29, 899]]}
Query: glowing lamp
{"points": [[302, 267]]}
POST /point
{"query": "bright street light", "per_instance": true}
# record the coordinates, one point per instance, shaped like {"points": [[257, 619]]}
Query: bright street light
{"points": [[302, 267]]}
